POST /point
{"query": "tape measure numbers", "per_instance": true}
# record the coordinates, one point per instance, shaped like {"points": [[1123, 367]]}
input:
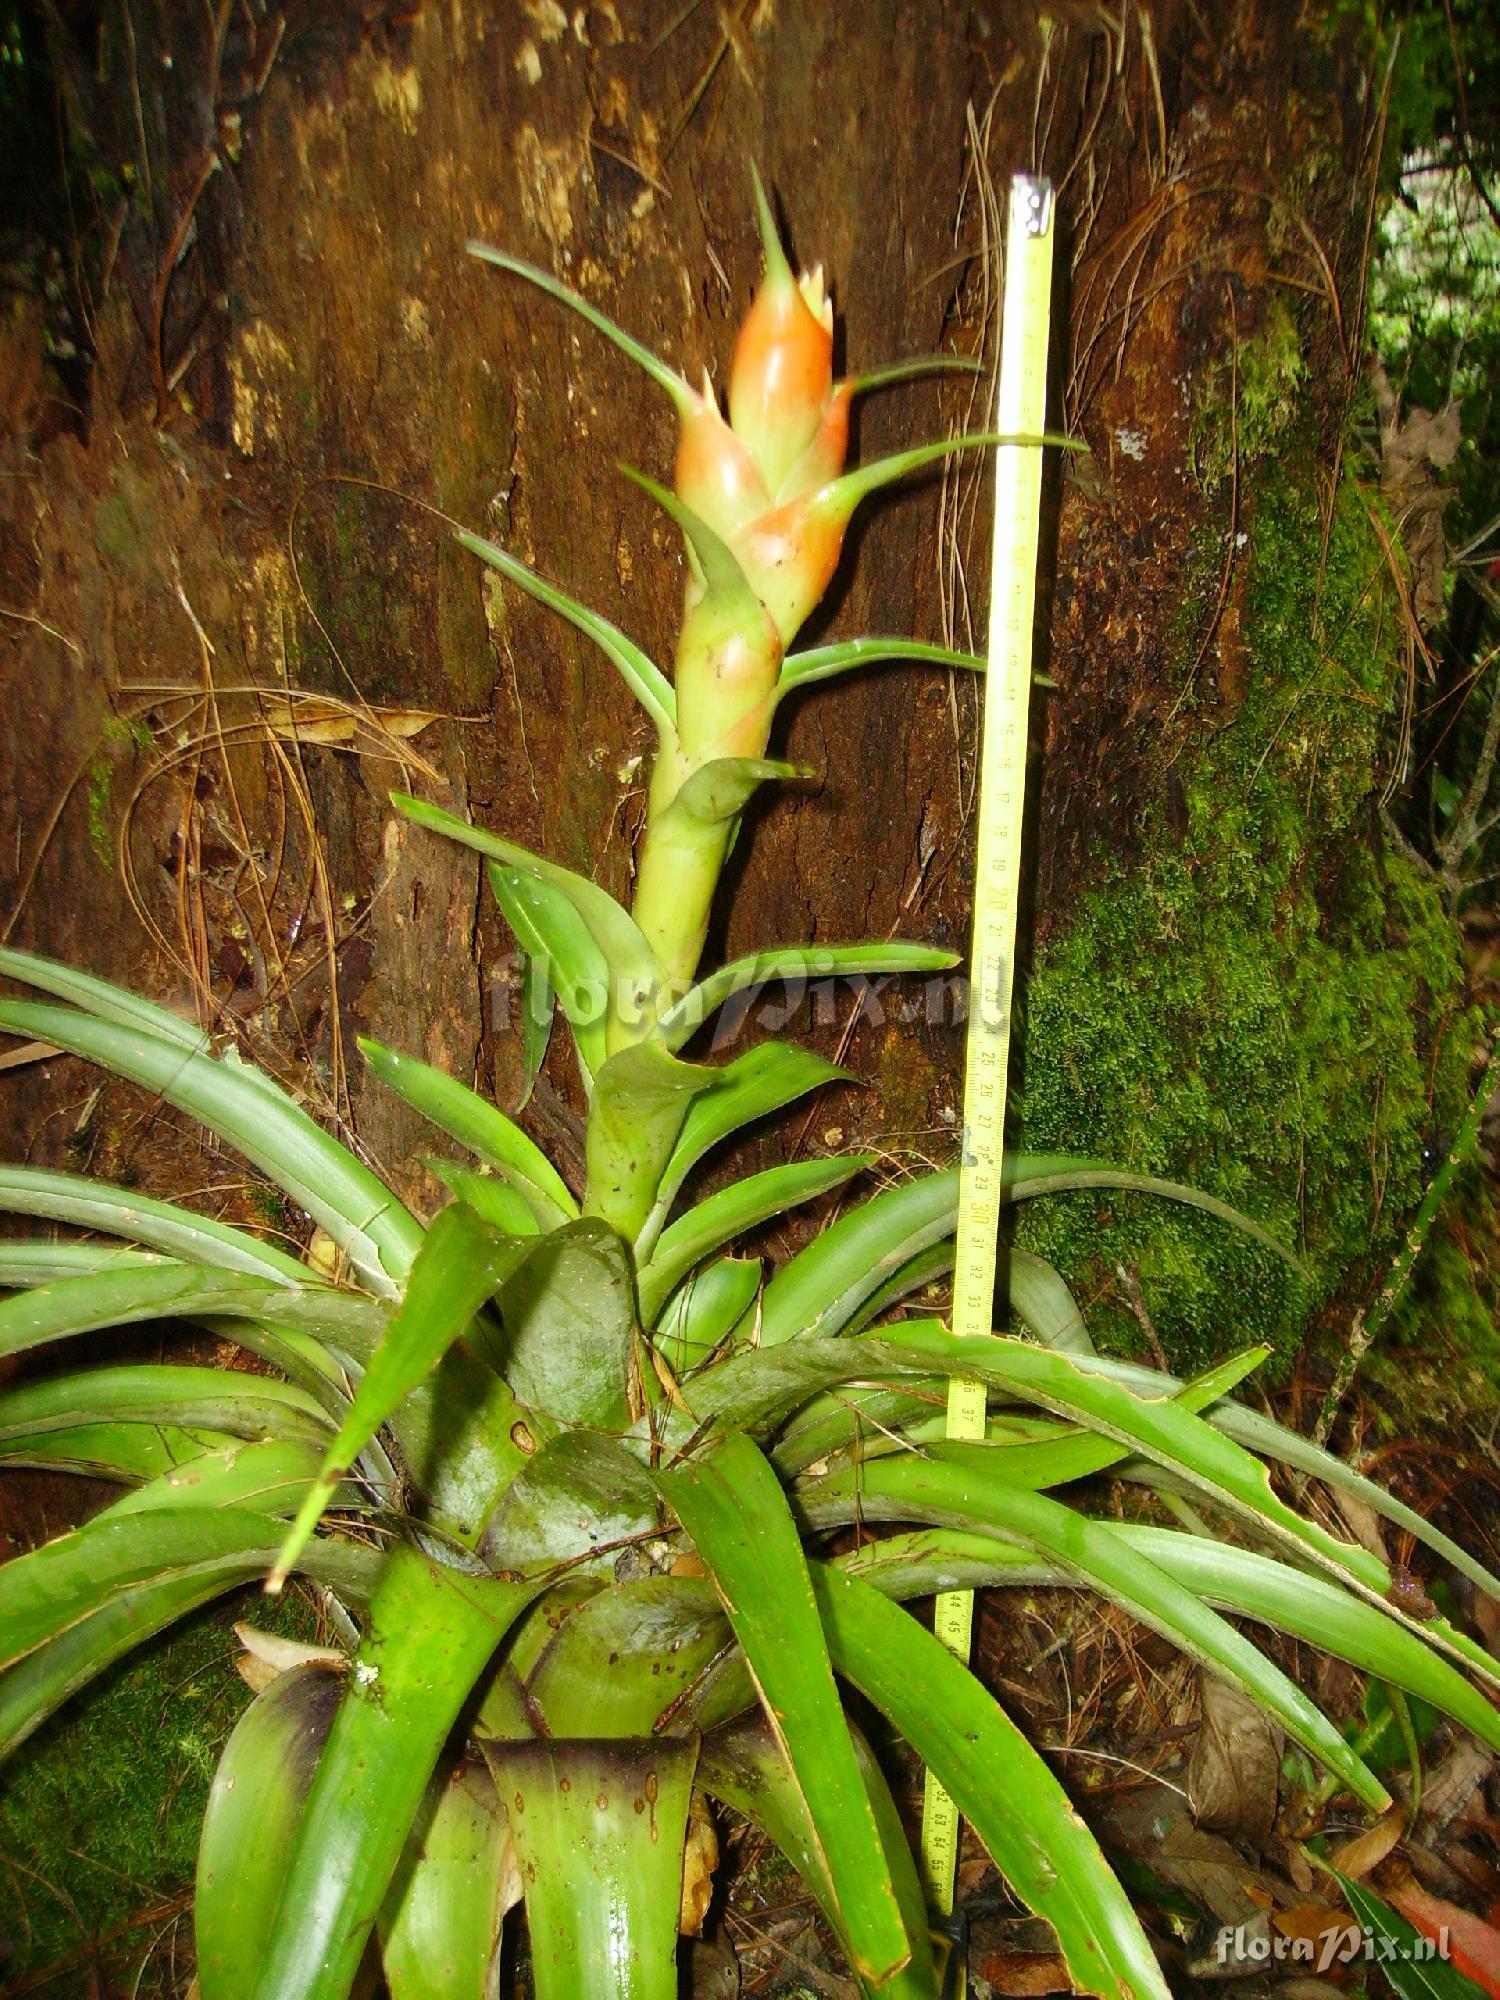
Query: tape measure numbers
{"points": [[1021, 409]]}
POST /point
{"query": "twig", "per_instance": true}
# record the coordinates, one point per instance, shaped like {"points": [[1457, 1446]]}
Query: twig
{"points": [[166, 271], [1369, 1324], [1130, 1287], [26, 618], [1466, 828]]}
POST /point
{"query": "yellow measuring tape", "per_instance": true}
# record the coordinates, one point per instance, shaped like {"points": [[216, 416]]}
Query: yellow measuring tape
{"points": [[1021, 409]]}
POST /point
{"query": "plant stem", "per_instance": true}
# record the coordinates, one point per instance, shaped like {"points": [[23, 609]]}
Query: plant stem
{"points": [[728, 660]]}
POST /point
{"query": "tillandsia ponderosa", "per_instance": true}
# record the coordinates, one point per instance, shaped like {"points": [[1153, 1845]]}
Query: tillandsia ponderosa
{"points": [[577, 1477]]}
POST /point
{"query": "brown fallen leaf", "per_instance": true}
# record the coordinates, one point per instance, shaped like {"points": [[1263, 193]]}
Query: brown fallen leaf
{"points": [[267, 1656], [28, 1052], [700, 1857], [1026, 1972], [1313, 1924], [1368, 1849], [1473, 1944], [1450, 1787], [1235, 1766], [1154, 1827], [311, 719]]}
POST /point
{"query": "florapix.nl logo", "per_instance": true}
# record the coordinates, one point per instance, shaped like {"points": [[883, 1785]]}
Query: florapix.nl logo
{"points": [[1264, 1941], [810, 980]]}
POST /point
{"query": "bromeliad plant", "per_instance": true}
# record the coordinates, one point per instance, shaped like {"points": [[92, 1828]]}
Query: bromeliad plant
{"points": [[573, 1473]]}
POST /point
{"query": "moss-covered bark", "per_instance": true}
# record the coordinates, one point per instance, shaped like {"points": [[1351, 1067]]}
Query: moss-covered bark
{"points": [[1233, 978], [1267, 1001]]}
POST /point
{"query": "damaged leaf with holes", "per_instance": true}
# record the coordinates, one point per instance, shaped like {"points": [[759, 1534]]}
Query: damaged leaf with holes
{"points": [[577, 1469]]}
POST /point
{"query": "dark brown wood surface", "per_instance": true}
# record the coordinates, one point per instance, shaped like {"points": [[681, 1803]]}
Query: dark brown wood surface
{"points": [[289, 373]]}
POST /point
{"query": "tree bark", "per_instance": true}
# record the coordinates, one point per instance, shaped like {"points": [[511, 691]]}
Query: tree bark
{"points": [[296, 381]]}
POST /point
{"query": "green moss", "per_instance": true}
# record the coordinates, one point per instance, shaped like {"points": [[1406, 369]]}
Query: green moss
{"points": [[1268, 1004], [100, 1810], [100, 784], [903, 1085], [1266, 374], [115, 528]]}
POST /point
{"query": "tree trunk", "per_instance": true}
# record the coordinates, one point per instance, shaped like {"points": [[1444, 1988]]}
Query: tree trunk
{"points": [[288, 380]]}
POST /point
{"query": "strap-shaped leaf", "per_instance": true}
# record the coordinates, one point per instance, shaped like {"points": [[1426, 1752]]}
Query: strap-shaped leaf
{"points": [[925, 1268], [910, 368], [732, 1505], [461, 1264], [429, 1635], [717, 563], [721, 789], [260, 1786], [657, 1633], [570, 1328], [856, 1419], [1237, 1580], [743, 1764], [461, 1436], [126, 1452], [37, 1260], [190, 1398], [1264, 1436], [440, 1923], [37, 1686], [1035, 1177], [819, 1289], [453, 1431], [1310, 1608], [99, 997], [581, 1494], [600, 1828], [966, 1494], [841, 496], [764, 1079], [1250, 1429], [159, 1225], [49, 1589], [630, 960], [704, 1309], [466, 1116], [555, 938], [1038, 1295], [641, 1098], [529, 1639], [306, 1316], [820, 663], [245, 1108], [733, 1211], [997, 1780], [1042, 1457], [825, 1285], [493, 1199], [753, 1389], [664, 377], [796, 966], [640, 674], [269, 1477]]}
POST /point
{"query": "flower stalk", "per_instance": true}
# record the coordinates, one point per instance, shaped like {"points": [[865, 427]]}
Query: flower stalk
{"points": [[763, 502]]}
